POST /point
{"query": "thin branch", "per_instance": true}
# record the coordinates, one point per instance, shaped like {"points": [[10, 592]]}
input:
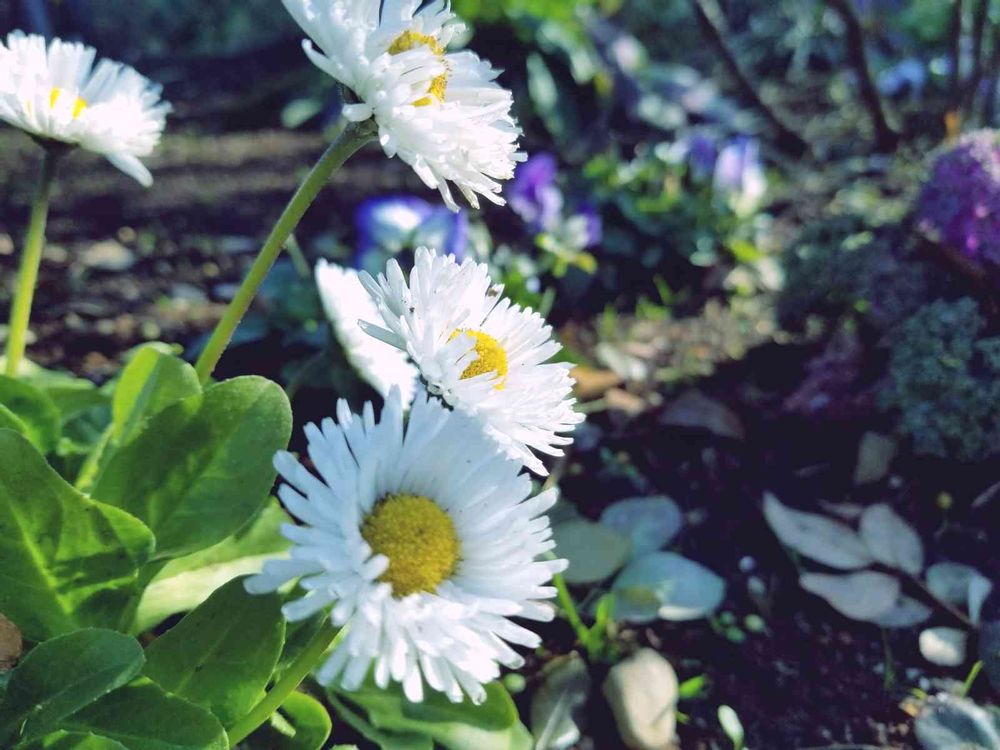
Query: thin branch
{"points": [[971, 87], [956, 52], [886, 137], [993, 80], [714, 25]]}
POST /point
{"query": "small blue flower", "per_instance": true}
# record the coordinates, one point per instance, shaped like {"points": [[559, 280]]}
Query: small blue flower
{"points": [[593, 224], [534, 195], [739, 175], [388, 225], [701, 155]]}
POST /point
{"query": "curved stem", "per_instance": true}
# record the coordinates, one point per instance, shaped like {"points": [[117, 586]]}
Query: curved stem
{"points": [[971, 678], [31, 260], [355, 136], [297, 671]]}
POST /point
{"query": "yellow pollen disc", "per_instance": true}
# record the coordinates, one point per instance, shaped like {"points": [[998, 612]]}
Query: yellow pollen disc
{"points": [[407, 41], [78, 105], [417, 537], [492, 357]]}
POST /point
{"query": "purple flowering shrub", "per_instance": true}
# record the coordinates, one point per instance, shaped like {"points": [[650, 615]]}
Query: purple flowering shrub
{"points": [[960, 203]]}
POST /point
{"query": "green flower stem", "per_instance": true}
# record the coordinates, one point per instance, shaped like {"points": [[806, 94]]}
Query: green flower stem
{"points": [[293, 676], [31, 260], [569, 607], [355, 136], [971, 679]]}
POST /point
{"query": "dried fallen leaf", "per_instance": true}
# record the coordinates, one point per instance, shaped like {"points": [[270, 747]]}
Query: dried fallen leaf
{"points": [[591, 383], [695, 410], [11, 644]]}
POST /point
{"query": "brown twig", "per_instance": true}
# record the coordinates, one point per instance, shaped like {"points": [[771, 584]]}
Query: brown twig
{"points": [[993, 76], [956, 53], [886, 137], [714, 25], [979, 24]]}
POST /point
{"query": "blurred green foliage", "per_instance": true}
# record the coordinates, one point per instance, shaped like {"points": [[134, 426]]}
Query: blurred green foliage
{"points": [[944, 382]]}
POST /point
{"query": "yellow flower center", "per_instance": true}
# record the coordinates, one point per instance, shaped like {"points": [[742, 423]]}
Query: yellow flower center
{"points": [[492, 357], [78, 104], [409, 40], [417, 537]]}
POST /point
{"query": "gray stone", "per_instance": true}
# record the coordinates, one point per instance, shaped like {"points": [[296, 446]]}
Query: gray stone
{"points": [[875, 455], [642, 692], [108, 256]]}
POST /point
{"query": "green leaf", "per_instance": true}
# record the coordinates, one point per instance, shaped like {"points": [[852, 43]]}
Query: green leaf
{"points": [[152, 381], [63, 675], [76, 741], [66, 561], [302, 724], [34, 410], [554, 100], [186, 582], [222, 654], [493, 725], [200, 469], [144, 717], [385, 740]]}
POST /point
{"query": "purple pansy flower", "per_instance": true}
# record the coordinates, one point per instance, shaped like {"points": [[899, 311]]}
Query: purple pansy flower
{"points": [[533, 193], [739, 174], [388, 225], [961, 201]]}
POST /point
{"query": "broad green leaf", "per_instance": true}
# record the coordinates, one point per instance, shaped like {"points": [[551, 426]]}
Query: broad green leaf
{"points": [[10, 421], [384, 739], [200, 469], [222, 654], [76, 741], [66, 561], [152, 381], [34, 409], [493, 725], [143, 717], [186, 582], [301, 724], [63, 675]]}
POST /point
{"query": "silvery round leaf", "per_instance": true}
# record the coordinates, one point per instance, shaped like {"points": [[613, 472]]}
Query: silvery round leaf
{"points": [[666, 586], [891, 540], [594, 551], [817, 537], [861, 596], [650, 522]]}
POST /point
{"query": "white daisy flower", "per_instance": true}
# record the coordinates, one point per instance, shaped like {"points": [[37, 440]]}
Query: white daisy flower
{"points": [[54, 92], [345, 302], [479, 352], [441, 112], [424, 539]]}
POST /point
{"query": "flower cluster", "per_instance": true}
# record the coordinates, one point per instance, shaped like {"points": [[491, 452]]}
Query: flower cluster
{"points": [[960, 203], [421, 532]]}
